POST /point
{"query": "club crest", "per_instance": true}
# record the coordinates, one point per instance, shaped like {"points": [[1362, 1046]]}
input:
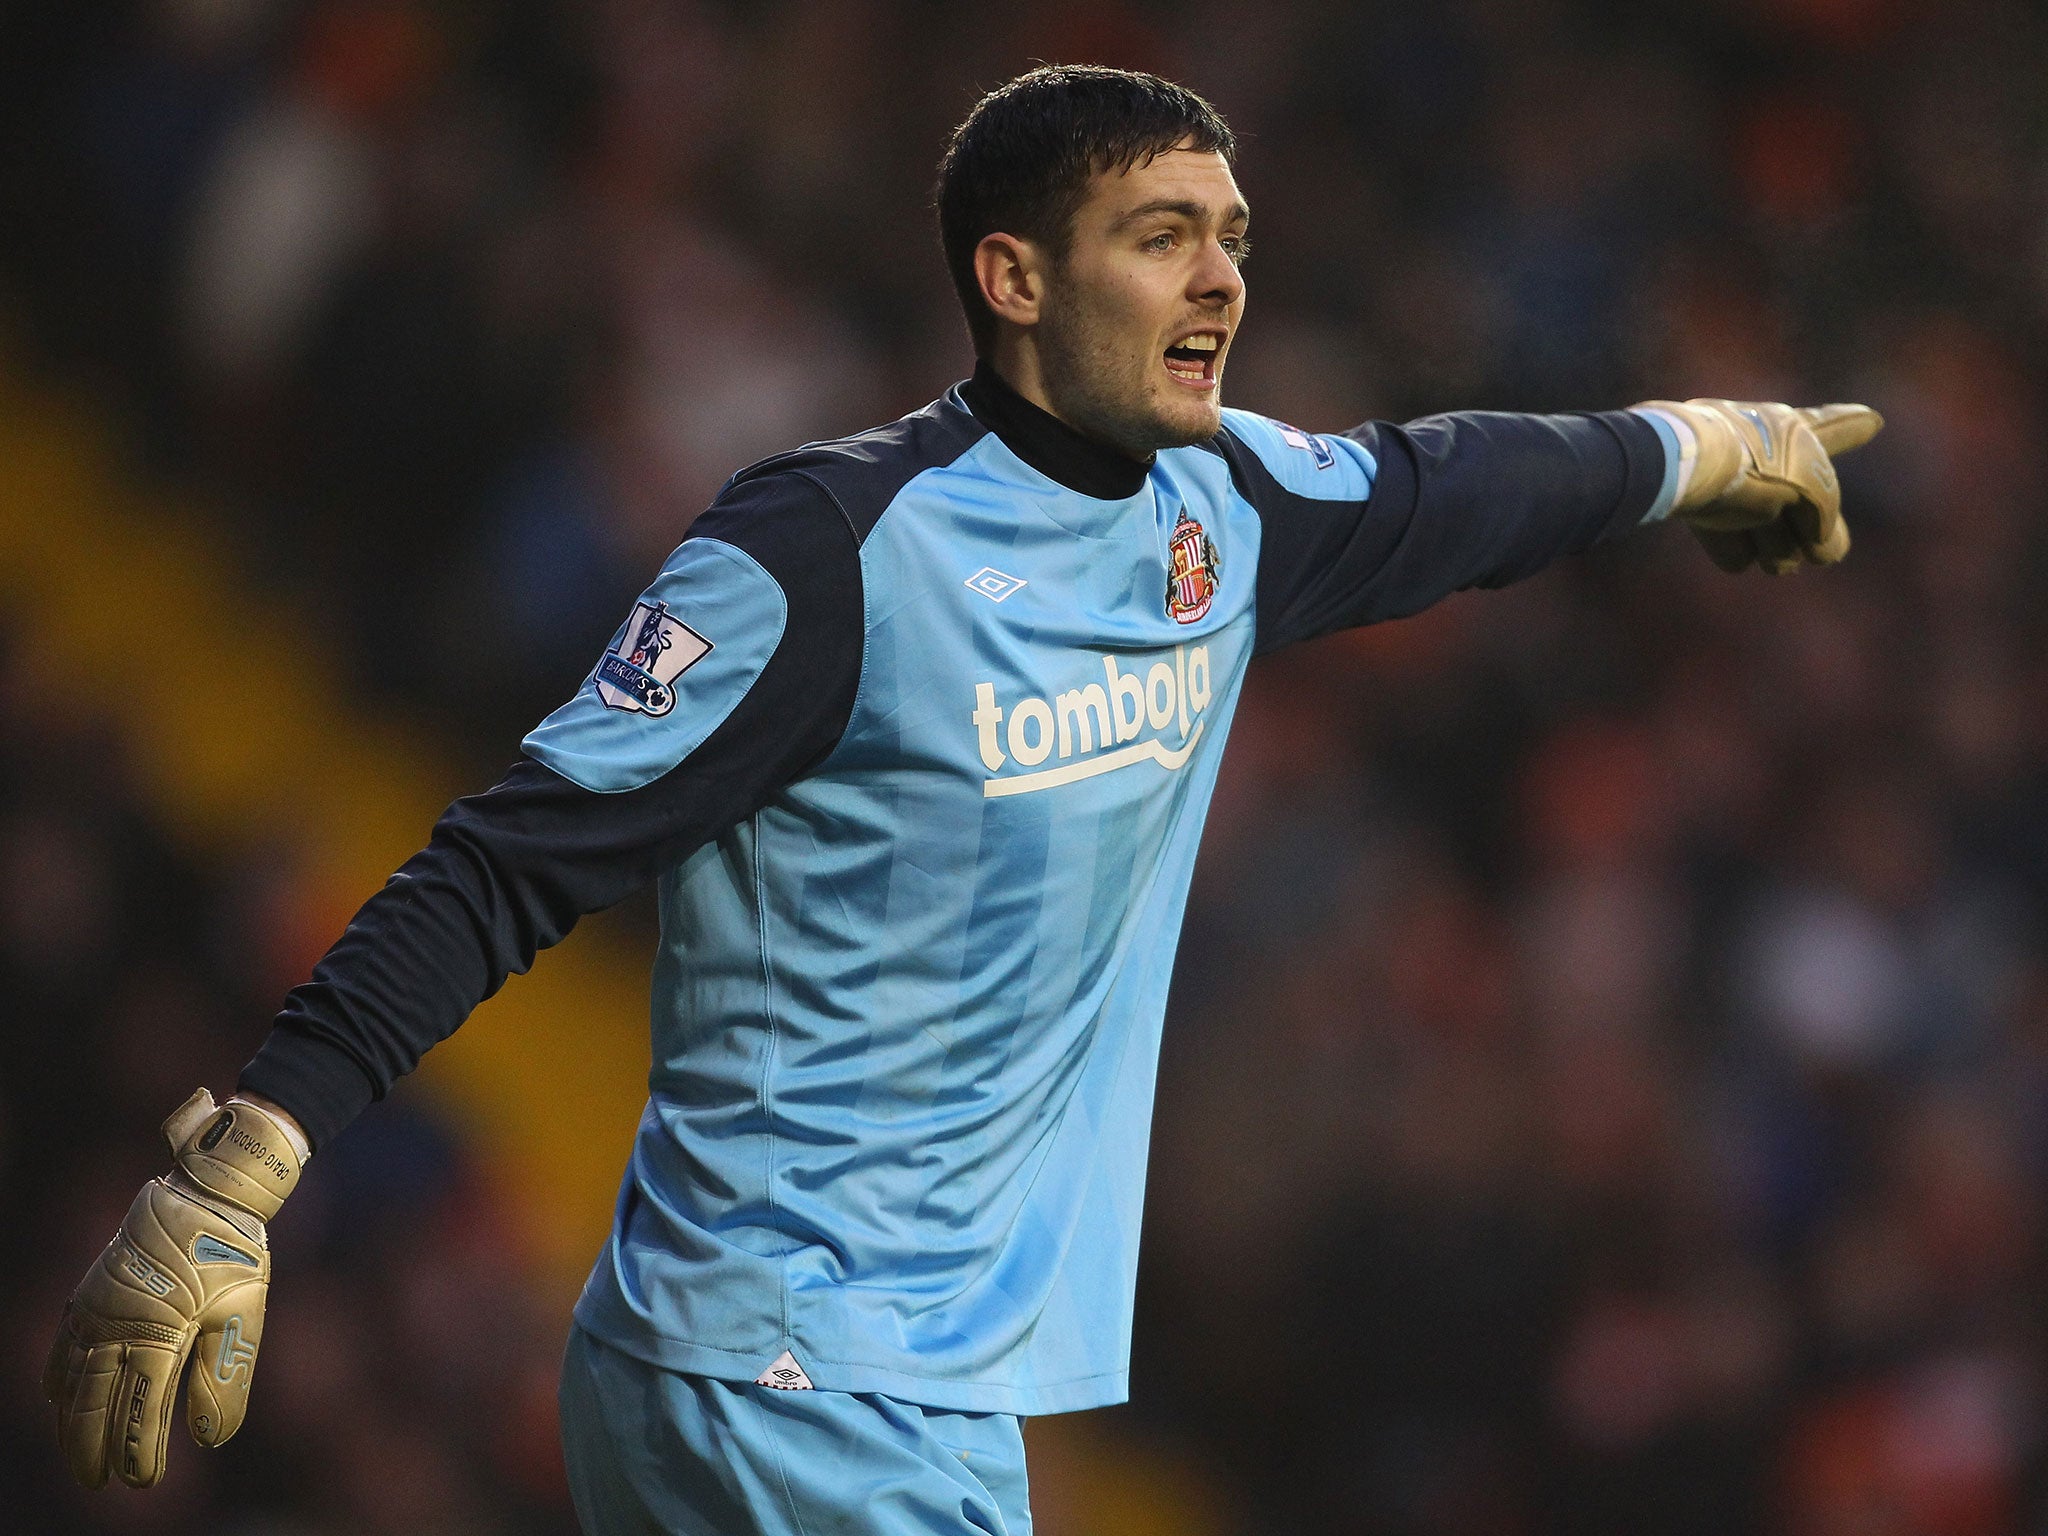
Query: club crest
{"points": [[1191, 581], [639, 672]]}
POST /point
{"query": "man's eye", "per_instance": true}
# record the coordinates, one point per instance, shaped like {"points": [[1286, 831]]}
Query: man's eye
{"points": [[1163, 241], [1238, 248]]}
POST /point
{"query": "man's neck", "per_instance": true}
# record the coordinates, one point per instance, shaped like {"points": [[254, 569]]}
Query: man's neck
{"points": [[1048, 444], [1018, 364]]}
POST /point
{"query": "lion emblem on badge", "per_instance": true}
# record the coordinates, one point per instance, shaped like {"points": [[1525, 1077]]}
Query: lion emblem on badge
{"points": [[638, 673]]}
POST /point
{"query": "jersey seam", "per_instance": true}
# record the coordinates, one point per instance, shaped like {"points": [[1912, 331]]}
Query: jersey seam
{"points": [[860, 685], [781, 1467], [1241, 461], [1060, 490], [833, 497], [768, 1057]]}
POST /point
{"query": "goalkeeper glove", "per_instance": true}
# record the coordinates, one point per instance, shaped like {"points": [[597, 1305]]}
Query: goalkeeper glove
{"points": [[1755, 480], [191, 1263]]}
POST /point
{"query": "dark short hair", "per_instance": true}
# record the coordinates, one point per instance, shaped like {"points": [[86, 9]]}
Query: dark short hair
{"points": [[1021, 162]]}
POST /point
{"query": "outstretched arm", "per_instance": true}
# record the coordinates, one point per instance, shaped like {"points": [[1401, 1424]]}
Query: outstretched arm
{"points": [[1385, 520]]}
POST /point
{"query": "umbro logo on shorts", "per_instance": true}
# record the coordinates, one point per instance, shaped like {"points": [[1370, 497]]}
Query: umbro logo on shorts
{"points": [[785, 1374]]}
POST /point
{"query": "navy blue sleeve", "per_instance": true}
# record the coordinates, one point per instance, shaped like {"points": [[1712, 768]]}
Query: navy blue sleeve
{"points": [[508, 872], [1474, 499]]}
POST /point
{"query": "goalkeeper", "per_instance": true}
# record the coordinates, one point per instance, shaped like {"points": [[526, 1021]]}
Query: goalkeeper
{"points": [[916, 732]]}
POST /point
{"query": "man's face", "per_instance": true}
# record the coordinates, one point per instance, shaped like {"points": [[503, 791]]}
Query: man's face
{"points": [[1140, 312]]}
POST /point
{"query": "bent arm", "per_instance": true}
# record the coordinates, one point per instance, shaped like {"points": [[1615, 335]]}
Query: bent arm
{"points": [[734, 675]]}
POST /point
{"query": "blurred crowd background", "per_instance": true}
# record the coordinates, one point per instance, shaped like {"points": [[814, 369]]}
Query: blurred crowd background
{"points": [[1607, 1081]]}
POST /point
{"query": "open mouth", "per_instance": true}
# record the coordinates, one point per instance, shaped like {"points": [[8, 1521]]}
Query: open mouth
{"points": [[1193, 359]]}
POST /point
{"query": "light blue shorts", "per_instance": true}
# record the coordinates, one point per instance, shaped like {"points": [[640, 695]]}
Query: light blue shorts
{"points": [[656, 1453]]}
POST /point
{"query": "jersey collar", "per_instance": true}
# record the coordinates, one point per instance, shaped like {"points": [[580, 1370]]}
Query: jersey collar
{"points": [[1048, 444]]}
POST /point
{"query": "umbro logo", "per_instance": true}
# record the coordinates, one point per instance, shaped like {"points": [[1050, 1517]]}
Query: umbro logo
{"points": [[785, 1374], [994, 585]]}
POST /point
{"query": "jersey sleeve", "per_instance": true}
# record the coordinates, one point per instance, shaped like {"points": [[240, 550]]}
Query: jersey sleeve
{"points": [[732, 676], [1384, 520]]}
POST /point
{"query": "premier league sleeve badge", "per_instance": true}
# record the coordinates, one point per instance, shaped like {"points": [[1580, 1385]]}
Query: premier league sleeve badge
{"points": [[635, 716], [654, 649]]}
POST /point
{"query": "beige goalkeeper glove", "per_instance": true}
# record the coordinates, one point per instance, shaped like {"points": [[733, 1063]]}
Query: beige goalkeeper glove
{"points": [[190, 1264], [1755, 481]]}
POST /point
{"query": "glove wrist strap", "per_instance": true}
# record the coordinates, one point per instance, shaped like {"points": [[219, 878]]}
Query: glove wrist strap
{"points": [[1710, 454], [237, 1153]]}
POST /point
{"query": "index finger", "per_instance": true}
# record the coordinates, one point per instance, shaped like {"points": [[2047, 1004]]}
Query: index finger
{"points": [[1841, 427]]}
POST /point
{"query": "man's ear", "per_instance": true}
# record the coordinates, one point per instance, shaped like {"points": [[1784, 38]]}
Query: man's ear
{"points": [[1010, 273]]}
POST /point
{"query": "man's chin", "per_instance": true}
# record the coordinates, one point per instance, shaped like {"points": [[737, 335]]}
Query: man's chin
{"points": [[1146, 422], [1184, 423], [1187, 428]]}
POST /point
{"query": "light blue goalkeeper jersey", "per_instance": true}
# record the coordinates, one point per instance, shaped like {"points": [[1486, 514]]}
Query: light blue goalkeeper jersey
{"points": [[906, 1015], [948, 702]]}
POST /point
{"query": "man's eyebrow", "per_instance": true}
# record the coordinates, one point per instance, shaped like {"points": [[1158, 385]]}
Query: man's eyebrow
{"points": [[1193, 212]]}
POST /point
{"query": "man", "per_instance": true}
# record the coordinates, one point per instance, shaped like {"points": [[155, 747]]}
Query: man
{"points": [[916, 731]]}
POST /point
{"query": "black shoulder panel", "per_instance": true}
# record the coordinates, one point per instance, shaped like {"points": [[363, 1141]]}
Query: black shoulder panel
{"points": [[863, 473]]}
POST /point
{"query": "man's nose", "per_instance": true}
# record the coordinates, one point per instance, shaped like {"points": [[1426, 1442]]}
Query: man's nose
{"points": [[1215, 279]]}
